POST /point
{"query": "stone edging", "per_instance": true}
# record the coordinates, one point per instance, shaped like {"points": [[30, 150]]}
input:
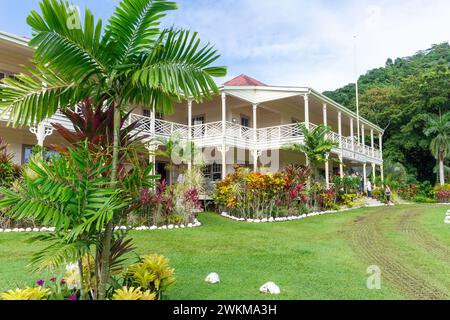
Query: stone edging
{"points": [[290, 218], [142, 228], [447, 217]]}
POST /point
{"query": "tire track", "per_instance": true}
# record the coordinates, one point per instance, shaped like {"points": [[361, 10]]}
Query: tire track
{"points": [[410, 227], [368, 241]]}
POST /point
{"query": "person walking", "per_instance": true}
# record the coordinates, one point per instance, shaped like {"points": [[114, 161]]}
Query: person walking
{"points": [[369, 189], [387, 192]]}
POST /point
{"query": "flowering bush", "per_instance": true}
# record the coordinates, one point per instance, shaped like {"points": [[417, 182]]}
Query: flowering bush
{"points": [[258, 195], [166, 204], [408, 192], [53, 289], [443, 196]]}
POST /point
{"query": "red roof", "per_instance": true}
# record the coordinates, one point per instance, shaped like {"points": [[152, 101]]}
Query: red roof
{"points": [[244, 80]]}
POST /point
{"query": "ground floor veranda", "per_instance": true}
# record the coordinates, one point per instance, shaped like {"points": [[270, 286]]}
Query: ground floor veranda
{"points": [[215, 163]]}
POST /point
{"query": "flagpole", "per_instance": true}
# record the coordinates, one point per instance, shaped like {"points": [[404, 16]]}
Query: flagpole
{"points": [[356, 87]]}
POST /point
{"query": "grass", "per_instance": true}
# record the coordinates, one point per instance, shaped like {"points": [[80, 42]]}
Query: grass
{"points": [[315, 258]]}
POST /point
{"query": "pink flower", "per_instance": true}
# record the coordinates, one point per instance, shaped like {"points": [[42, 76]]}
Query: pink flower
{"points": [[40, 282]]}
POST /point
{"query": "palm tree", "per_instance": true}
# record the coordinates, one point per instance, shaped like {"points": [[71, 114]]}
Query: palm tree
{"points": [[316, 146], [439, 128], [129, 62]]}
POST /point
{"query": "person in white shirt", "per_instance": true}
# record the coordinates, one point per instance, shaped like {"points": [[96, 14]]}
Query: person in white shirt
{"points": [[369, 189]]}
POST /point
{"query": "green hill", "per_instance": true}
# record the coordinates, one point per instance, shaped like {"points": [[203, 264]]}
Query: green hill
{"points": [[396, 96]]}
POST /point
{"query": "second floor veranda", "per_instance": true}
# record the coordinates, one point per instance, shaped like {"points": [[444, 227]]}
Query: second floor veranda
{"points": [[266, 118]]}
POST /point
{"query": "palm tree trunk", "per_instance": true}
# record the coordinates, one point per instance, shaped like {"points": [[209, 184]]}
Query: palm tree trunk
{"points": [[106, 248], [441, 171]]}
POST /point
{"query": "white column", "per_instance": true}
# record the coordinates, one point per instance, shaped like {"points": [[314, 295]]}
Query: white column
{"points": [[380, 137], [341, 158], [224, 131], [364, 175], [153, 132], [363, 138], [306, 100], [255, 138], [382, 173], [327, 162], [372, 142], [373, 173], [189, 137], [352, 134]]}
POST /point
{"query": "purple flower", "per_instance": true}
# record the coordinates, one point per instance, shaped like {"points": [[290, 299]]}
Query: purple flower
{"points": [[63, 282], [53, 279], [73, 297], [40, 282]]}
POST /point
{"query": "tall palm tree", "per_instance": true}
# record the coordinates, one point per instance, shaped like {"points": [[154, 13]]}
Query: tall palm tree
{"points": [[439, 128], [316, 146], [130, 61]]}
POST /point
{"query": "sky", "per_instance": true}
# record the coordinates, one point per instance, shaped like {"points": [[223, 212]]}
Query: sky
{"points": [[291, 42]]}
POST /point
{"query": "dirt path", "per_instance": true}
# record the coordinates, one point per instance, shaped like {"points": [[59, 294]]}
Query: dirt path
{"points": [[366, 234]]}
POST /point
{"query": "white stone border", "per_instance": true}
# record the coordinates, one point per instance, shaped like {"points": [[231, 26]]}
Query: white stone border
{"points": [[447, 217], [142, 228], [290, 218]]}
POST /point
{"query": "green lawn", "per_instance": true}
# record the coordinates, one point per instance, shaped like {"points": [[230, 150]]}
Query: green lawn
{"points": [[323, 257]]}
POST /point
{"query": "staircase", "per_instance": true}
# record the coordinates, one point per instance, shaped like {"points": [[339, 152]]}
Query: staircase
{"points": [[373, 203]]}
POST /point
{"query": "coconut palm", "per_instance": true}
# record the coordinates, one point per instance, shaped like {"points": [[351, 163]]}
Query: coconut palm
{"points": [[131, 61], [316, 146], [439, 128]]}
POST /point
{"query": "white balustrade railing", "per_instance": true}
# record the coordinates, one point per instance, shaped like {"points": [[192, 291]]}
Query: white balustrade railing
{"points": [[283, 132], [270, 137]]}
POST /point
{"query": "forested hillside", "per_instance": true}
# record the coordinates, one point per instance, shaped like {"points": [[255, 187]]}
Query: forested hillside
{"points": [[397, 96]]}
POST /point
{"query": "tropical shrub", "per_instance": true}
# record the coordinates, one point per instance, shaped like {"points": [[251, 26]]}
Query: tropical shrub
{"points": [[9, 172], [379, 194], [253, 194], [422, 199], [151, 273], [348, 200], [327, 199], [442, 193], [165, 204], [408, 192], [38, 293], [133, 294]]}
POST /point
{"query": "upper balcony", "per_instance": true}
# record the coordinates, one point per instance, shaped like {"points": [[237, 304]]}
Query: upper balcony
{"points": [[238, 136]]}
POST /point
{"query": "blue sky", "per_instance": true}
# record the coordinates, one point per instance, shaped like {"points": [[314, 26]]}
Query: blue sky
{"points": [[291, 42]]}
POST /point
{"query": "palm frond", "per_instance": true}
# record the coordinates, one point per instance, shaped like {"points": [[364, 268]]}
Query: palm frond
{"points": [[179, 66], [73, 50], [33, 97], [134, 27], [60, 252]]}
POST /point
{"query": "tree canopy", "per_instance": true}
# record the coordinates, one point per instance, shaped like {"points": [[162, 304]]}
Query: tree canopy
{"points": [[396, 97]]}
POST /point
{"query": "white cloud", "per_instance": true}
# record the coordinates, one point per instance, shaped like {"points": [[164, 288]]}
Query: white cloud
{"points": [[291, 42]]}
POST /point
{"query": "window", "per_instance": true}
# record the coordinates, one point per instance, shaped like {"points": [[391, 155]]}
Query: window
{"points": [[198, 120], [27, 151], [2, 75], [245, 121], [147, 113], [213, 172]]}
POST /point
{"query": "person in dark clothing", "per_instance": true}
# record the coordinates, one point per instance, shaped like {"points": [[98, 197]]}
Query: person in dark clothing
{"points": [[388, 194]]}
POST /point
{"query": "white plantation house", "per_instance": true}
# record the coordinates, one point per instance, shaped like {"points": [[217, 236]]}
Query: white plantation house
{"points": [[248, 123]]}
